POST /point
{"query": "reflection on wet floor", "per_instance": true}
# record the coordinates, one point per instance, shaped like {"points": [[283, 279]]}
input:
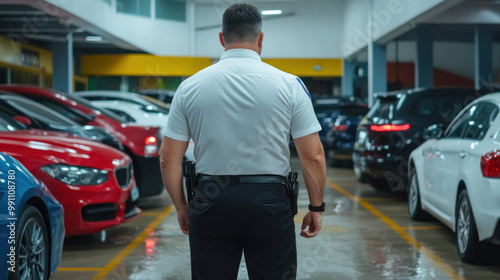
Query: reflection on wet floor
{"points": [[355, 243]]}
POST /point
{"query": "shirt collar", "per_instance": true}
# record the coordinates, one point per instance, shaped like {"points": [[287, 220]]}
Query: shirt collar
{"points": [[241, 53]]}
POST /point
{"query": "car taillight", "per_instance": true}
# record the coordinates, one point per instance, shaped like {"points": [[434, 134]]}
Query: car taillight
{"points": [[390, 127], [340, 127], [151, 146], [490, 164]]}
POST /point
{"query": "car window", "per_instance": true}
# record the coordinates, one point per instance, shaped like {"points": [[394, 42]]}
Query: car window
{"points": [[481, 120], [424, 107], [39, 112], [457, 127], [8, 124], [383, 108], [68, 112]]}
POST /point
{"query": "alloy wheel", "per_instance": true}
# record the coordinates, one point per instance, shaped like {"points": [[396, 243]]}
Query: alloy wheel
{"points": [[32, 255], [413, 195], [463, 225]]}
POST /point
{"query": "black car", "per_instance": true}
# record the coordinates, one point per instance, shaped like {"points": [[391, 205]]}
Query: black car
{"points": [[342, 134], [35, 115], [395, 125]]}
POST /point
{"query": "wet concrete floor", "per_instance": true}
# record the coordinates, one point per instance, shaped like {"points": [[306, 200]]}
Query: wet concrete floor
{"points": [[366, 235]]}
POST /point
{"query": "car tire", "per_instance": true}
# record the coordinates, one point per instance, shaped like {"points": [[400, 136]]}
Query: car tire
{"points": [[469, 248], [414, 202], [32, 246]]}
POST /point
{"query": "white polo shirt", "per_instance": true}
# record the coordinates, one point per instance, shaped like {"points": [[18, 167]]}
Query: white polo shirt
{"points": [[240, 113]]}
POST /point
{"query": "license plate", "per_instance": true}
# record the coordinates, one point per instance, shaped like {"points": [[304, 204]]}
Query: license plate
{"points": [[134, 194]]}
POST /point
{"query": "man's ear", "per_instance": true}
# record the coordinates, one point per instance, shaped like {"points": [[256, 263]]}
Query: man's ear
{"points": [[221, 39], [261, 38]]}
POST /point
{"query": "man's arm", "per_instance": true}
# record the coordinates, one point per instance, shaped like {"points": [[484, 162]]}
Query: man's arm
{"points": [[312, 158], [171, 155]]}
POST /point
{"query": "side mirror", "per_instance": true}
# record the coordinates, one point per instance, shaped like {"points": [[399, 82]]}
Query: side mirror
{"points": [[433, 132], [24, 120]]}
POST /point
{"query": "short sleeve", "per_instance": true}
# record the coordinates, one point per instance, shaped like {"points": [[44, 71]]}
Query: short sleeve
{"points": [[304, 121], [177, 126]]}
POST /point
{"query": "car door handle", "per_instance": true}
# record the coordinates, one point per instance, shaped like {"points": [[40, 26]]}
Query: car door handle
{"points": [[462, 154], [437, 152]]}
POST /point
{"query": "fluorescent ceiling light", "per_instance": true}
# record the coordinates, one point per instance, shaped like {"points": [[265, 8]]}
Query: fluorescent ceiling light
{"points": [[93, 38], [271, 12]]}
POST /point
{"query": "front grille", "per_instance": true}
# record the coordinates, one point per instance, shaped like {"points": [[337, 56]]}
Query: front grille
{"points": [[99, 212], [124, 174]]}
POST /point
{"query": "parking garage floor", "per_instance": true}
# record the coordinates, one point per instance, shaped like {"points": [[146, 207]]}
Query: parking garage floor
{"points": [[366, 235]]}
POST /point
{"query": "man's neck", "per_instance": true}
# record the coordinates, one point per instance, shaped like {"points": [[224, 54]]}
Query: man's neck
{"points": [[248, 46]]}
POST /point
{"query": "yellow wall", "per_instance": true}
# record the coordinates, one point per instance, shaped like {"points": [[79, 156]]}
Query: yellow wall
{"points": [[10, 55], [142, 65], [305, 67], [150, 65]]}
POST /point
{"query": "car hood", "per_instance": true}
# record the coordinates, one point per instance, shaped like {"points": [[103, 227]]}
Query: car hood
{"points": [[41, 147]]}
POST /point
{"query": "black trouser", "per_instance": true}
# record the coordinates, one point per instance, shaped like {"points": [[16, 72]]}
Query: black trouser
{"points": [[226, 220]]}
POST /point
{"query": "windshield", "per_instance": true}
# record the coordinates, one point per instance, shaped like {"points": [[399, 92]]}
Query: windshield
{"points": [[15, 105], [383, 108], [87, 103], [160, 104]]}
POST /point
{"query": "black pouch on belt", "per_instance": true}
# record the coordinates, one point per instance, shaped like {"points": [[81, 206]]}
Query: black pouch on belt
{"points": [[189, 172], [292, 187]]}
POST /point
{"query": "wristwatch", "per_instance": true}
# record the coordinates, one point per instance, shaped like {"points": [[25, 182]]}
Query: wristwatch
{"points": [[317, 208]]}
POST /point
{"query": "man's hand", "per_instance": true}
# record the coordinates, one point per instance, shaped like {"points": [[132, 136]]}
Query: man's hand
{"points": [[312, 220], [183, 217]]}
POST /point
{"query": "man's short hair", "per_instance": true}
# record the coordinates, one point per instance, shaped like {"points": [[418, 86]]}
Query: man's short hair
{"points": [[241, 23]]}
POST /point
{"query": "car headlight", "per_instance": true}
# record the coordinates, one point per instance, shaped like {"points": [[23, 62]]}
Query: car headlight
{"points": [[76, 175]]}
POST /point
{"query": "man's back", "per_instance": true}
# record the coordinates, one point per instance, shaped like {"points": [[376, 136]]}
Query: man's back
{"points": [[240, 112]]}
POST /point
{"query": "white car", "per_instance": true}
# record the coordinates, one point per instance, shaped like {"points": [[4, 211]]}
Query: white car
{"points": [[131, 106], [455, 177], [134, 108]]}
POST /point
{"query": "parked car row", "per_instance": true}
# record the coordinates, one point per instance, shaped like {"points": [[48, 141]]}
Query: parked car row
{"points": [[69, 167], [442, 150]]}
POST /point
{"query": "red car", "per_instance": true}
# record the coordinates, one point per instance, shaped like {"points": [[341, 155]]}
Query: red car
{"points": [[93, 182], [140, 143]]}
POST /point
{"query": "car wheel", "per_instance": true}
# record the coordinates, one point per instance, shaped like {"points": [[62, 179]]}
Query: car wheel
{"points": [[414, 203], [32, 246], [468, 246]]}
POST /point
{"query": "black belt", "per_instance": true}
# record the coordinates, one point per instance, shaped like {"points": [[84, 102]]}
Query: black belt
{"points": [[243, 179]]}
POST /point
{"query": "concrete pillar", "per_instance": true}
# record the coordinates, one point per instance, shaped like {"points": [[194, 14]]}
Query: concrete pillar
{"points": [[348, 68], [424, 66], [124, 85], [62, 60], [377, 70], [483, 55]]}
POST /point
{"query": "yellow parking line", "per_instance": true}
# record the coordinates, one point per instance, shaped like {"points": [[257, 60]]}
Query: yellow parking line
{"points": [[444, 267], [150, 213], [79, 269], [422, 227], [138, 240]]}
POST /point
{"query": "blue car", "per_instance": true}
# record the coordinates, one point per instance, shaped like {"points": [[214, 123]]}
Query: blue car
{"points": [[31, 222], [327, 111], [342, 134]]}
